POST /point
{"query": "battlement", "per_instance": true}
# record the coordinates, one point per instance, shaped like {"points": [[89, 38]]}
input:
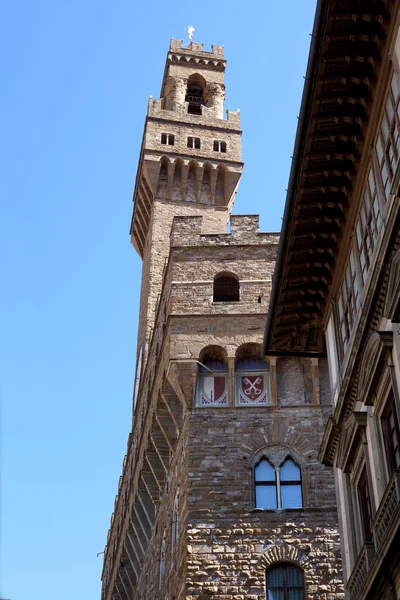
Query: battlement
{"points": [[187, 231], [193, 48]]}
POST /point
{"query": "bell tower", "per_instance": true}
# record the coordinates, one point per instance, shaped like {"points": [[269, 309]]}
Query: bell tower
{"points": [[221, 495], [189, 165]]}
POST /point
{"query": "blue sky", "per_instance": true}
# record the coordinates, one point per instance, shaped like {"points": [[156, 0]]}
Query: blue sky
{"points": [[76, 80]]}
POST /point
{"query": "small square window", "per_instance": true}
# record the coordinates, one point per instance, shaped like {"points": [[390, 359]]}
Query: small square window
{"points": [[193, 142], [168, 139], [219, 146]]}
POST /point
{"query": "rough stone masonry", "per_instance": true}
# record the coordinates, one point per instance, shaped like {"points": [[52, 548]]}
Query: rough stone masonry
{"points": [[193, 518]]}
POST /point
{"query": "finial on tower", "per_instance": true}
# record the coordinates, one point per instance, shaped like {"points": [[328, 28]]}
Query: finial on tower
{"points": [[191, 30]]}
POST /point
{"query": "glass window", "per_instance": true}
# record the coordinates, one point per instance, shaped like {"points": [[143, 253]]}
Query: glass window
{"points": [[369, 225], [365, 505], [290, 485], [193, 142], [168, 138], [388, 142], [349, 301], [219, 146], [278, 488], [391, 432], [265, 484], [285, 582]]}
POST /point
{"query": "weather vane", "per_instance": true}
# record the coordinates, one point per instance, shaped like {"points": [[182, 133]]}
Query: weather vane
{"points": [[191, 30]]}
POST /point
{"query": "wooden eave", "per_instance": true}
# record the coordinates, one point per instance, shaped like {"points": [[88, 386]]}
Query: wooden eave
{"points": [[348, 41]]}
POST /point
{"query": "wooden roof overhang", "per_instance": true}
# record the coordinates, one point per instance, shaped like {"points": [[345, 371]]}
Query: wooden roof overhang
{"points": [[347, 44]]}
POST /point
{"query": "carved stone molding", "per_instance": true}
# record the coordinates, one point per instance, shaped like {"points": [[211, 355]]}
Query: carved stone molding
{"points": [[284, 553], [376, 353], [350, 439], [392, 305]]}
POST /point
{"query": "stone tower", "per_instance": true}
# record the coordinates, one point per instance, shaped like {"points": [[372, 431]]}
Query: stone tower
{"points": [[221, 495], [190, 163]]}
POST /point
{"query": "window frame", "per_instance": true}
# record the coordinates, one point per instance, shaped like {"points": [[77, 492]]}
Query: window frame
{"points": [[390, 450], [277, 483], [383, 158], [365, 505], [220, 146], [285, 588], [193, 143], [168, 139], [233, 292]]}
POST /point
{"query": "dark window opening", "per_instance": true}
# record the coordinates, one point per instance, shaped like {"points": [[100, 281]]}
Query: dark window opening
{"points": [[168, 139], [194, 143], [365, 505], [285, 582], [219, 146], [226, 289], [391, 433], [194, 96]]}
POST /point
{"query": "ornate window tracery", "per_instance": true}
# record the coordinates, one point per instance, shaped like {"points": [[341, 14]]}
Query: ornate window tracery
{"points": [[277, 487]]}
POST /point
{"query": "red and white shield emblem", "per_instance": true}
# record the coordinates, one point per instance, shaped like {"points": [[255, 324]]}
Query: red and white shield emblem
{"points": [[252, 386]]}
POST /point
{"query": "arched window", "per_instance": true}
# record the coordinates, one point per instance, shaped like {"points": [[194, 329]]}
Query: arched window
{"points": [[212, 380], [277, 487], [265, 484], [252, 382], [285, 582], [226, 288], [290, 485], [195, 94]]}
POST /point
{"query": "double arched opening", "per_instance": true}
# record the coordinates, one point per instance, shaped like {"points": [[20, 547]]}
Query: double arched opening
{"points": [[277, 487]]}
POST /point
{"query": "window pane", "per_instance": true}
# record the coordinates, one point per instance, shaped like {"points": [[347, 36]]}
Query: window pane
{"points": [[290, 471], [275, 577], [294, 577], [291, 496], [266, 496], [264, 471], [379, 149], [294, 595], [395, 89], [275, 594]]}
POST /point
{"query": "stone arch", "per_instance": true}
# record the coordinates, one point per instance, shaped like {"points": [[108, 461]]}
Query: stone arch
{"points": [[247, 350], [163, 176], [191, 181], [177, 180], [213, 352], [277, 454], [219, 197], [278, 554], [205, 195], [226, 287], [195, 93], [278, 434]]}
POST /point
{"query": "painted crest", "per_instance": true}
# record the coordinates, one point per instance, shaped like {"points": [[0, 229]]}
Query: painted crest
{"points": [[252, 386]]}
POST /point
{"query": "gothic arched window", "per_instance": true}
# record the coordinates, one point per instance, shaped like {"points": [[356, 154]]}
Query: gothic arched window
{"points": [[285, 582], [277, 488], [226, 288]]}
